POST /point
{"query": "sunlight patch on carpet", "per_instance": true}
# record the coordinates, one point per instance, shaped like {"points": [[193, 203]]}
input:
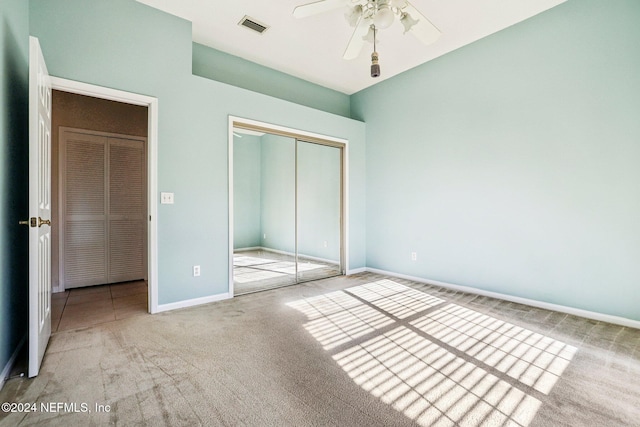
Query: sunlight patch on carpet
{"points": [[439, 364]]}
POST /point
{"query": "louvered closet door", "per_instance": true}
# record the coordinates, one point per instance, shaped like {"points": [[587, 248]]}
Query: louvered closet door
{"points": [[104, 205], [84, 171], [127, 210]]}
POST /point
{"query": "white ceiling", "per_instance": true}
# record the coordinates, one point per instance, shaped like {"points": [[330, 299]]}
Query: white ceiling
{"points": [[311, 48]]}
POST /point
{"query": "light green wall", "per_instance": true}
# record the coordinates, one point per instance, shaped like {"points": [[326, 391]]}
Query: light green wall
{"points": [[14, 177], [318, 201], [265, 189], [226, 68], [246, 191], [511, 165], [278, 193], [126, 45]]}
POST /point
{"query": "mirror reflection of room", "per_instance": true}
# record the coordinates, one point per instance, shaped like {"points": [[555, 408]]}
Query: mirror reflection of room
{"points": [[287, 211]]}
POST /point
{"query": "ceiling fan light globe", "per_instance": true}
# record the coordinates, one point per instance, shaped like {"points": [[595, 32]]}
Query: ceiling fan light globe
{"points": [[407, 21], [383, 17]]}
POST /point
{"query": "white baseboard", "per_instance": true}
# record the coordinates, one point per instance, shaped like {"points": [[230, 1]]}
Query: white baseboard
{"points": [[356, 271], [277, 251], [12, 360], [526, 301], [192, 302]]}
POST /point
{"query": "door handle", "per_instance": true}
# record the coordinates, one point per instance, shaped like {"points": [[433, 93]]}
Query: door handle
{"points": [[33, 222]]}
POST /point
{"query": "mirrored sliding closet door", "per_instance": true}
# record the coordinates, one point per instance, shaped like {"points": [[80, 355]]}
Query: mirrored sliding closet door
{"points": [[287, 210], [318, 211]]}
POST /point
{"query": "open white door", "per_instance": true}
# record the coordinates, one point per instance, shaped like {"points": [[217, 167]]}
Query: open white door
{"points": [[39, 207]]}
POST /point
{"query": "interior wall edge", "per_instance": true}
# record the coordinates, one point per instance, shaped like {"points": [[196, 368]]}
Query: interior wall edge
{"points": [[603, 317]]}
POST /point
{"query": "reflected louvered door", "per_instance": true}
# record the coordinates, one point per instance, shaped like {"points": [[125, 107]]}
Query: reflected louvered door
{"points": [[104, 209], [127, 210], [84, 258]]}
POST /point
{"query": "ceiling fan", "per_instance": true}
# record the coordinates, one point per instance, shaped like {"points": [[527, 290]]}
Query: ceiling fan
{"points": [[369, 16]]}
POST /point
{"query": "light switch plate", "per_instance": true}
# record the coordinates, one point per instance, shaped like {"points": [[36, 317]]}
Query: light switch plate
{"points": [[166, 198]]}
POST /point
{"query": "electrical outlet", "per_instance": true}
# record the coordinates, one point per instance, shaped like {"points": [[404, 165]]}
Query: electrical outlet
{"points": [[166, 198], [414, 256], [196, 270], [264, 236], [325, 244]]}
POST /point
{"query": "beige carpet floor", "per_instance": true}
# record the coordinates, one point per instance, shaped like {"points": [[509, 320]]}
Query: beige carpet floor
{"points": [[364, 350]]}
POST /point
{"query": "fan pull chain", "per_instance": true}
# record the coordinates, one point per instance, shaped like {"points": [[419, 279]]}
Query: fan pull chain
{"points": [[375, 67]]}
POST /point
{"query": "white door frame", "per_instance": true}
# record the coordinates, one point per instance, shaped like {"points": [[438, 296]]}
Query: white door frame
{"points": [[151, 103]]}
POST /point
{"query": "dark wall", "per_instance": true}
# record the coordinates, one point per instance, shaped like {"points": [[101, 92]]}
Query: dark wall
{"points": [[14, 77]]}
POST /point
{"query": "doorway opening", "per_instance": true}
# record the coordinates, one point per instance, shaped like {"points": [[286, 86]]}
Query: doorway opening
{"points": [[99, 204], [287, 206], [104, 163]]}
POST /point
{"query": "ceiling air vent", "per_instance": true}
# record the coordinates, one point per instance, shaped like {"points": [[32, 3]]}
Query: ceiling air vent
{"points": [[252, 24]]}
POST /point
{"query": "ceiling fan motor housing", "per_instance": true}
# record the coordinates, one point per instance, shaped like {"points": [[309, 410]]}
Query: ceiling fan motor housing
{"points": [[367, 16]]}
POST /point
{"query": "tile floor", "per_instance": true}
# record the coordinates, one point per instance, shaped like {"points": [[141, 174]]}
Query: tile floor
{"points": [[81, 307]]}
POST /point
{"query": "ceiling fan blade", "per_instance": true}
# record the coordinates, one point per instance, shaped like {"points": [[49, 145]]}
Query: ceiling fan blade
{"points": [[357, 39], [424, 30], [317, 7]]}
